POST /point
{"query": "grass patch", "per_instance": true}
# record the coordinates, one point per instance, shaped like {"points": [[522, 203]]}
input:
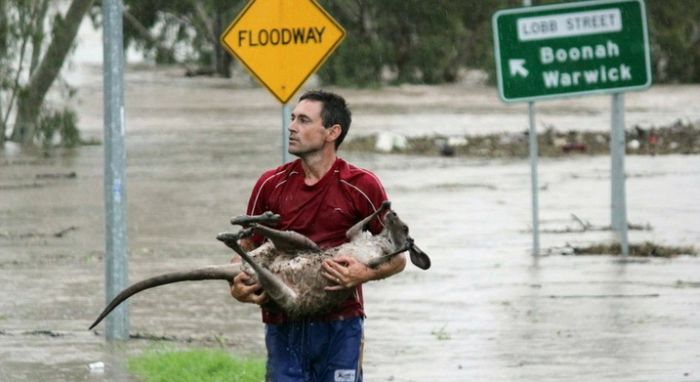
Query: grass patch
{"points": [[441, 334], [199, 365]]}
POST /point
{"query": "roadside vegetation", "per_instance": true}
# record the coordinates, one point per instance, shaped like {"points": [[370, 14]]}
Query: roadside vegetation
{"points": [[31, 58]]}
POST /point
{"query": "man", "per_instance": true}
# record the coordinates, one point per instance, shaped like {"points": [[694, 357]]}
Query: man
{"points": [[318, 195]]}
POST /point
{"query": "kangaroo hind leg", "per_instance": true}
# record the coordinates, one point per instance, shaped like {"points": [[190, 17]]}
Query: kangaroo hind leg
{"points": [[286, 241], [273, 285]]}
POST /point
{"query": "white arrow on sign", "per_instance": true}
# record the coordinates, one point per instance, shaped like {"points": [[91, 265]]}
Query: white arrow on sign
{"points": [[517, 67]]}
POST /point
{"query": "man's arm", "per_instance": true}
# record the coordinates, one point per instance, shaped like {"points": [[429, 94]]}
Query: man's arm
{"points": [[347, 272], [242, 287]]}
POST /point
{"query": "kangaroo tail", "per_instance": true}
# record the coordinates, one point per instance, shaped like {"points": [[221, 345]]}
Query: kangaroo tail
{"points": [[225, 272]]}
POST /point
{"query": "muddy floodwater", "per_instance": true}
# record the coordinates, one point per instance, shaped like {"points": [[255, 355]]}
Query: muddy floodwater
{"points": [[486, 311]]}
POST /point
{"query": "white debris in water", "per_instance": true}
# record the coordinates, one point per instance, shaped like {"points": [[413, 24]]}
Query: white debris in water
{"points": [[387, 142], [559, 142], [97, 367], [457, 141]]}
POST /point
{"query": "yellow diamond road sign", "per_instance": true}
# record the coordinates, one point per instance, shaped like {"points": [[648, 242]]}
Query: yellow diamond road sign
{"points": [[282, 42]]}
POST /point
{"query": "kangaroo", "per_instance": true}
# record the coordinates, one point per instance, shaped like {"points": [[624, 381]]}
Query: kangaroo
{"points": [[288, 265]]}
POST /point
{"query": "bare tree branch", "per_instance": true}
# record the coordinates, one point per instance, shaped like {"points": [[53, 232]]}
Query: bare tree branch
{"points": [[206, 22], [38, 34], [146, 34]]}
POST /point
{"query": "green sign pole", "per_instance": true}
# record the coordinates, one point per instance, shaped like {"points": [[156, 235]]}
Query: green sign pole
{"points": [[534, 182], [618, 211], [571, 49]]}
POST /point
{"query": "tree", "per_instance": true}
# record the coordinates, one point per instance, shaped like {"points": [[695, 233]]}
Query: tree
{"points": [[162, 28], [395, 41], [417, 41], [359, 59], [674, 29], [21, 32]]}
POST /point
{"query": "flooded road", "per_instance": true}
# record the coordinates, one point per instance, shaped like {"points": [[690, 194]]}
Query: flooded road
{"points": [[486, 310]]}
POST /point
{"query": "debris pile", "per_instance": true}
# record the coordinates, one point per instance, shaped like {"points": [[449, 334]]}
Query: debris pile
{"points": [[680, 137], [646, 249]]}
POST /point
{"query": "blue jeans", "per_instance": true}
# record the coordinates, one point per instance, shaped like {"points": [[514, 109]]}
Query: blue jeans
{"points": [[307, 351]]}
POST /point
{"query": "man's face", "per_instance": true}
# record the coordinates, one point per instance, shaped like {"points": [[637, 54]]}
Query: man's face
{"points": [[306, 132]]}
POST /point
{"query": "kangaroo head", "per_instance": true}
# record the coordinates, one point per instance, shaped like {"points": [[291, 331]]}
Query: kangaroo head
{"points": [[395, 230], [397, 233]]}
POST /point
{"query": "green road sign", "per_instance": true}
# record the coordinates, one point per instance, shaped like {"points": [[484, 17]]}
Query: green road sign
{"points": [[571, 49]]}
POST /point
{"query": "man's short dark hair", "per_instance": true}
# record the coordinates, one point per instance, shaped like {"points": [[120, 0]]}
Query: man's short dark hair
{"points": [[334, 111]]}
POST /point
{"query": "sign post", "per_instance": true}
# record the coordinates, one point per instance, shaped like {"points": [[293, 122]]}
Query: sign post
{"points": [[282, 42], [286, 116], [618, 211], [116, 254], [570, 49], [534, 182]]}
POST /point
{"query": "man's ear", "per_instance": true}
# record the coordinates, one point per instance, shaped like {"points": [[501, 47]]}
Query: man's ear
{"points": [[333, 132]]}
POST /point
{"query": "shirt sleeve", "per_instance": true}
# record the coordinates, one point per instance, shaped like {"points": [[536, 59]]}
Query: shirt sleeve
{"points": [[258, 201]]}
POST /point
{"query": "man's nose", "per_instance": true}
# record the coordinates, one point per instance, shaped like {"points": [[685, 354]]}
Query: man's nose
{"points": [[292, 126]]}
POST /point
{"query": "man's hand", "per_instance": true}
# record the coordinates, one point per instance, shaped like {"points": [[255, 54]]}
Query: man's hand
{"points": [[243, 288], [244, 291], [345, 272]]}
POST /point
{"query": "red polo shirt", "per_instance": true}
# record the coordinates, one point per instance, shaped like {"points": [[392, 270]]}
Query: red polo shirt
{"points": [[322, 212]]}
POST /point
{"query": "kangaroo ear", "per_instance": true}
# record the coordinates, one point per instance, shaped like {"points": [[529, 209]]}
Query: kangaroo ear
{"points": [[419, 258]]}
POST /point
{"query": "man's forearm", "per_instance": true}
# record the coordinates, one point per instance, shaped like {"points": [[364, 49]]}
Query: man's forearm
{"points": [[390, 268]]}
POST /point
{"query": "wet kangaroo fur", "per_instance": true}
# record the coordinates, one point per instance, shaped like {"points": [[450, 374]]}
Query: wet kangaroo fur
{"points": [[288, 265]]}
